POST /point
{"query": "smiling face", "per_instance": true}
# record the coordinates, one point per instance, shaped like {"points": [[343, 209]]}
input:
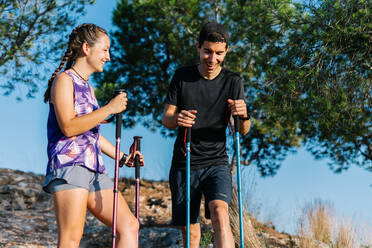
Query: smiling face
{"points": [[211, 56], [99, 53]]}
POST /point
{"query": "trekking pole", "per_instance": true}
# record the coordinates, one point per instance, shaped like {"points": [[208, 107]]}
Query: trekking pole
{"points": [[137, 164], [188, 140], [116, 176], [237, 152]]}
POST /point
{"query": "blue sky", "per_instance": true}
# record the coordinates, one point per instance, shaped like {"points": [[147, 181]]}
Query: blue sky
{"points": [[299, 180]]}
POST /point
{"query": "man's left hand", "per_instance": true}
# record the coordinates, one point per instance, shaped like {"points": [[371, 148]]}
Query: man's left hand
{"points": [[238, 107]]}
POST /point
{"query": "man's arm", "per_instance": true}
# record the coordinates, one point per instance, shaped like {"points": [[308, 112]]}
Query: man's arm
{"points": [[239, 108], [169, 119], [244, 127]]}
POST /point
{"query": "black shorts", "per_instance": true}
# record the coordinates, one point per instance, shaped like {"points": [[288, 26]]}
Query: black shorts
{"points": [[214, 182]]}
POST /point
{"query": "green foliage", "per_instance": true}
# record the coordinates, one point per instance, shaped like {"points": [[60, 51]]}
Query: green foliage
{"points": [[206, 238], [31, 33], [326, 65], [152, 39], [307, 70]]}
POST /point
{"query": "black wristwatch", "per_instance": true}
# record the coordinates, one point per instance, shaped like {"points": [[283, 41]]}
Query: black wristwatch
{"points": [[123, 159], [245, 118]]}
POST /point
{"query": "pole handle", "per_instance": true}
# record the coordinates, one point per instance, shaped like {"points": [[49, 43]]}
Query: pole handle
{"points": [[119, 117], [137, 163], [236, 123], [188, 134]]}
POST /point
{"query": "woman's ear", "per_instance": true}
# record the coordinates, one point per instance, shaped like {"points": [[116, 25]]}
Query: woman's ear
{"points": [[85, 48]]}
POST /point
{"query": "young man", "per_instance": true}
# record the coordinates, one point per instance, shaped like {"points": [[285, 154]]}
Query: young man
{"points": [[202, 97]]}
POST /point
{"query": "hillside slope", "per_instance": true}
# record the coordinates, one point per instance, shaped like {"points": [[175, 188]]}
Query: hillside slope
{"points": [[27, 216]]}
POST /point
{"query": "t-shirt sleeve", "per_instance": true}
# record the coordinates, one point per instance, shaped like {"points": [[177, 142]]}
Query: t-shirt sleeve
{"points": [[173, 91], [238, 89]]}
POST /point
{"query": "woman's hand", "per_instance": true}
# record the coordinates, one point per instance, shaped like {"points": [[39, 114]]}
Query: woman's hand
{"points": [[119, 103], [130, 159]]}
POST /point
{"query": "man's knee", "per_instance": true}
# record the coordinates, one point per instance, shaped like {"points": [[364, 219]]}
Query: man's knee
{"points": [[219, 211]]}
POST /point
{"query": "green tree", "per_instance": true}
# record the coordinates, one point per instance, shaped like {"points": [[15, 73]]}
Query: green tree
{"points": [[274, 46], [152, 39], [325, 81], [31, 33]]}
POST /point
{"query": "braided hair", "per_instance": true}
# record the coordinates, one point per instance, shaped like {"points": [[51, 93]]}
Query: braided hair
{"points": [[86, 32]]}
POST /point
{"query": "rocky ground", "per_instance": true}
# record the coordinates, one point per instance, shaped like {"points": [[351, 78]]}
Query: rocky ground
{"points": [[27, 216]]}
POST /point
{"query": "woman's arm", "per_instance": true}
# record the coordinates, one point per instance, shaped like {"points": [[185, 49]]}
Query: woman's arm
{"points": [[107, 147], [62, 97]]}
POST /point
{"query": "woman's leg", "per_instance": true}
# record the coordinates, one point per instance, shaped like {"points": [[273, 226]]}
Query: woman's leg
{"points": [[100, 204], [70, 210]]}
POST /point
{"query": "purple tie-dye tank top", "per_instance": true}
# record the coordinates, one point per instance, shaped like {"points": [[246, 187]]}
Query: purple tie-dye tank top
{"points": [[82, 149]]}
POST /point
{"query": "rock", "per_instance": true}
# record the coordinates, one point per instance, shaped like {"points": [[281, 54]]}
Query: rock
{"points": [[160, 237]]}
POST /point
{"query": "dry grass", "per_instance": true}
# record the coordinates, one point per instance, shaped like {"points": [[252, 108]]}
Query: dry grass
{"points": [[345, 236], [304, 240], [315, 223], [250, 238], [364, 233], [318, 224]]}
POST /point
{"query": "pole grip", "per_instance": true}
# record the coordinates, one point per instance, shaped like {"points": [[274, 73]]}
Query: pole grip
{"points": [[137, 163], [119, 117], [188, 134], [236, 123]]}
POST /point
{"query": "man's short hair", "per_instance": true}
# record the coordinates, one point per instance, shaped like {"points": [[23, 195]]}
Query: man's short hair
{"points": [[213, 32]]}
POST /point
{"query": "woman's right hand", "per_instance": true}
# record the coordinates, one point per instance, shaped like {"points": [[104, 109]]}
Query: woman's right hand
{"points": [[119, 103]]}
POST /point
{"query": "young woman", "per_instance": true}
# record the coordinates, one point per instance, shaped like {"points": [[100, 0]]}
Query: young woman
{"points": [[75, 174]]}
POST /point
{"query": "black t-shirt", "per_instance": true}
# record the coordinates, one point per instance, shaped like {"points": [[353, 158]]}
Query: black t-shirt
{"points": [[189, 90]]}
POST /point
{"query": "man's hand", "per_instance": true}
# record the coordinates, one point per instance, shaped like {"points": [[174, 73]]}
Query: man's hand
{"points": [[186, 118], [238, 107]]}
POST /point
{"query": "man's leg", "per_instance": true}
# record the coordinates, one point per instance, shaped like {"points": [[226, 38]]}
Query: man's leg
{"points": [[177, 186], [223, 237], [194, 235], [217, 191]]}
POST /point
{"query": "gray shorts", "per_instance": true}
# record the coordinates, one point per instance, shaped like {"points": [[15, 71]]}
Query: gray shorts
{"points": [[76, 176]]}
